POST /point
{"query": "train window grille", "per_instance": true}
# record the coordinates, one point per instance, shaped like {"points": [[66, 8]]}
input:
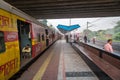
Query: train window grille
{"points": [[2, 42], [43, 38]]}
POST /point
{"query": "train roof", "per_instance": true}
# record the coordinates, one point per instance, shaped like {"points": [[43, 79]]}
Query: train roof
{"points": [[14, 10]]}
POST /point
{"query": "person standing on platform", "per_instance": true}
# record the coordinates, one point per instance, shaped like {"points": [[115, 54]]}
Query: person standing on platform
{"points": [[108, 46], [94, 39], [85, 39], [66, 37]]}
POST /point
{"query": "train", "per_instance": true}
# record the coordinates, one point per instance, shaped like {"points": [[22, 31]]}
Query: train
{"points": [[18, 29]]}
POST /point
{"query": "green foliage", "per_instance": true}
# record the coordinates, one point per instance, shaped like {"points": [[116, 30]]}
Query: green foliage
{"points": [[109, 31], [101, 34], [117, 28], [117, 36], [44, 21], [89, 33]]}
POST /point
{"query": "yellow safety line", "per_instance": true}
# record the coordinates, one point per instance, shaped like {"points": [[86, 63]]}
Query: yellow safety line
{"points": [[42, 69]]}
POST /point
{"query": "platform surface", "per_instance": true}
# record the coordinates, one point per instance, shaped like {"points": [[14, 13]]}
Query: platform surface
{"points": [[59, 62]]}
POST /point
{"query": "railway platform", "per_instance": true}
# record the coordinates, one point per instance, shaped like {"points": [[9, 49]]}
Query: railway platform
{"points": [[62, 62]]}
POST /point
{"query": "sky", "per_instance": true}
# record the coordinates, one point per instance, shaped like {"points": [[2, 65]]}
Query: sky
{"points": [[95, 24]]}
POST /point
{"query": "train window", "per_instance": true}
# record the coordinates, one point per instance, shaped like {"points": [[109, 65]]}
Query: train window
{"points": [[2, 42], [43, 37], [38, 37]]}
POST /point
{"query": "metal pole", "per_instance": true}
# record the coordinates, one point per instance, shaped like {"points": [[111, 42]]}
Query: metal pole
{"points": [[87, 25], [70, 22]]}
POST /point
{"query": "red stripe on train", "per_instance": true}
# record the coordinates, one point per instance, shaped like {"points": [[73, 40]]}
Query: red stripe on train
{"points": [[36, 49], [10, 36]]}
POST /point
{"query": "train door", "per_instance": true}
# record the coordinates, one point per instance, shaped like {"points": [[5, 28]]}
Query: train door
{"points": [[24, 38], [47, 37]]}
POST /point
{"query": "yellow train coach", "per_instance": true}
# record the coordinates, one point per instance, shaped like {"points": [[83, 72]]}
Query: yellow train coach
{"points": [[17, 30]]}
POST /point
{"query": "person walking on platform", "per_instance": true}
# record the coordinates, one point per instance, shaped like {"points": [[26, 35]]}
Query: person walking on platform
{"points": [[94, 39], [85, 39], [108, 46], [66, 37]]}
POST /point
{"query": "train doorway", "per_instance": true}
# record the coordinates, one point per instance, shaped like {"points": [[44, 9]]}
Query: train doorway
{"points": [[24, 39]]}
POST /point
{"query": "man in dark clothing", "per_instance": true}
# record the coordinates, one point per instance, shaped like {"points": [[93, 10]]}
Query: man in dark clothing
{"points": [[66, 36], [85, 39]]}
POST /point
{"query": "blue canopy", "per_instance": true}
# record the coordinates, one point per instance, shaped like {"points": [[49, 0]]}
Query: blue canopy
{"points": [[65, 29], [68, 28]]}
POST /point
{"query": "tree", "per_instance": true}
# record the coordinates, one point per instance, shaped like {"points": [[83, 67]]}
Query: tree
{"points": [[117, 36], [44, 21], [117, 27], [101, 34], [89, 33]]}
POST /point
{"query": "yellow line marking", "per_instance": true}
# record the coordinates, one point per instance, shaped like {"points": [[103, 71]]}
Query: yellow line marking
{"points": [[42, 69]]}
